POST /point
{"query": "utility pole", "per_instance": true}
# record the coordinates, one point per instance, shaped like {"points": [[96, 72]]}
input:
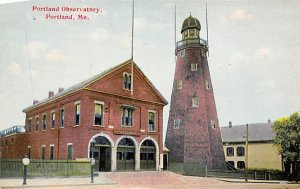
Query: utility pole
{"points": [[246, 158]]}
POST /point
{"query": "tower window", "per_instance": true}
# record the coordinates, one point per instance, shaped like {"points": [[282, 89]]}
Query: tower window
{"points": [[179, 84], [185, 34], [177, 123], [193, 67], [126, 81], [98, 120], [213, 124], [192, 32], [195, 102], [182, 53], [207, 84]]}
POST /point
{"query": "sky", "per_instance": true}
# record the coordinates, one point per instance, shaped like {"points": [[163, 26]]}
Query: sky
{"points": [[253, 52]]}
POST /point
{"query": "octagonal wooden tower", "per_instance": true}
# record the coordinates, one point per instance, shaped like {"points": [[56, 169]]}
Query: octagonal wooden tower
{"points": [[193, 133]]}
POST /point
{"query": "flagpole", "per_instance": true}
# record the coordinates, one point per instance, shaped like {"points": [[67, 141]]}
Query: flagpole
{"points": [[132, 47]]}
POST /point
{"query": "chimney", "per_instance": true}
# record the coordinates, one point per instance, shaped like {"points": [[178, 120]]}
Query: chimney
{"points": [[51, 94], [60, 90], [230, 124], [269, 121], [35, 102]]}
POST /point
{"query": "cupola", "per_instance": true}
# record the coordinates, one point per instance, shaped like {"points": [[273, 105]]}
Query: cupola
{"points": [[190, 28]]}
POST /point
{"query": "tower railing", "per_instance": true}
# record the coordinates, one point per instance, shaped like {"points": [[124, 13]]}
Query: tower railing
{"points": [[196, 41]]}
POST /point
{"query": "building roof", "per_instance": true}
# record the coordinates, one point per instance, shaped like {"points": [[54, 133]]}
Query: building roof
{"points": [[84, 83], [256, 132], [13, 130], [190, 23]]}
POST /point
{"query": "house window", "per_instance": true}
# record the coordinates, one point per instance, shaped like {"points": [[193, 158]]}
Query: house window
{"points": [[241, 165], [151, 121], [213, 124], [126, 81], [230, 165], [230, 151], [51, 152], [36, 124], [179, 84], [77, 114], [62, 117], [177, 123], [240, 151], [29, 124], [43, 152], [70, 151], [195, 102], [127, 115], [52, 123], [207, 85], [193, 67], [44, 122], [98, 117]]}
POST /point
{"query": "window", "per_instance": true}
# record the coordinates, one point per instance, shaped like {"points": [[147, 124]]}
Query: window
{"points": [[230, 165], [203, 53], [77, 114], [151, 121], [195, 102], [28, 151], [179, 84], [241, 165], [185, 34], [182, 52], [230, 151], [126, 81], [70, 151], [192, 32], [36, 124], [240, 151], [51, 152], [193, 67], [43, 152], [127, 116], [62, 117], [29, 124], [207, 85], [98, 117], [213, 124], [177, 123], [44, 122], [52, 123]]}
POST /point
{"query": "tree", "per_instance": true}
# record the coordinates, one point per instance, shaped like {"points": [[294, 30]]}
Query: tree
{"points": [[287, 138]]}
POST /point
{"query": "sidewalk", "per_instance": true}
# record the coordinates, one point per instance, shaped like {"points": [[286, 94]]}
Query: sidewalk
{"points": [[54, 181], [252, 181]]}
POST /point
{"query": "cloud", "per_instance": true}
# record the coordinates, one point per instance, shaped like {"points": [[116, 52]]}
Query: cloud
{"points": [[99, 34], [55, 55], [35, 49], [240, 14], [263, 51], [14, 68]]}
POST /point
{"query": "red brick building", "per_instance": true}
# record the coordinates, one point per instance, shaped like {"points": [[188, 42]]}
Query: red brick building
{"points": [[120, 110], [193, 133]]}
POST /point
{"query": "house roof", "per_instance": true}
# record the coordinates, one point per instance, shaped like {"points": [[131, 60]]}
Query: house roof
{"points": [[256, 132], [86, 82]]}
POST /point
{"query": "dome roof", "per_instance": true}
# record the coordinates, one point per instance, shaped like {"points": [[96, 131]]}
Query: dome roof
{"points": [[190, 22]]}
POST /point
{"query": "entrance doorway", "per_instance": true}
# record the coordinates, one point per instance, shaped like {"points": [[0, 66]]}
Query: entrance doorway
{"points": [[126, 155], [102, 154], [148, 155]]}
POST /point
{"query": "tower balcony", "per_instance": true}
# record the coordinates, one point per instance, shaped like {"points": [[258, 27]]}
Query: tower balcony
{"points": [[196, 42]]}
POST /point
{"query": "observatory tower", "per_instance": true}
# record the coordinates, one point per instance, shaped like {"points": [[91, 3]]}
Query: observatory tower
{"points": [[193, 133]]}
